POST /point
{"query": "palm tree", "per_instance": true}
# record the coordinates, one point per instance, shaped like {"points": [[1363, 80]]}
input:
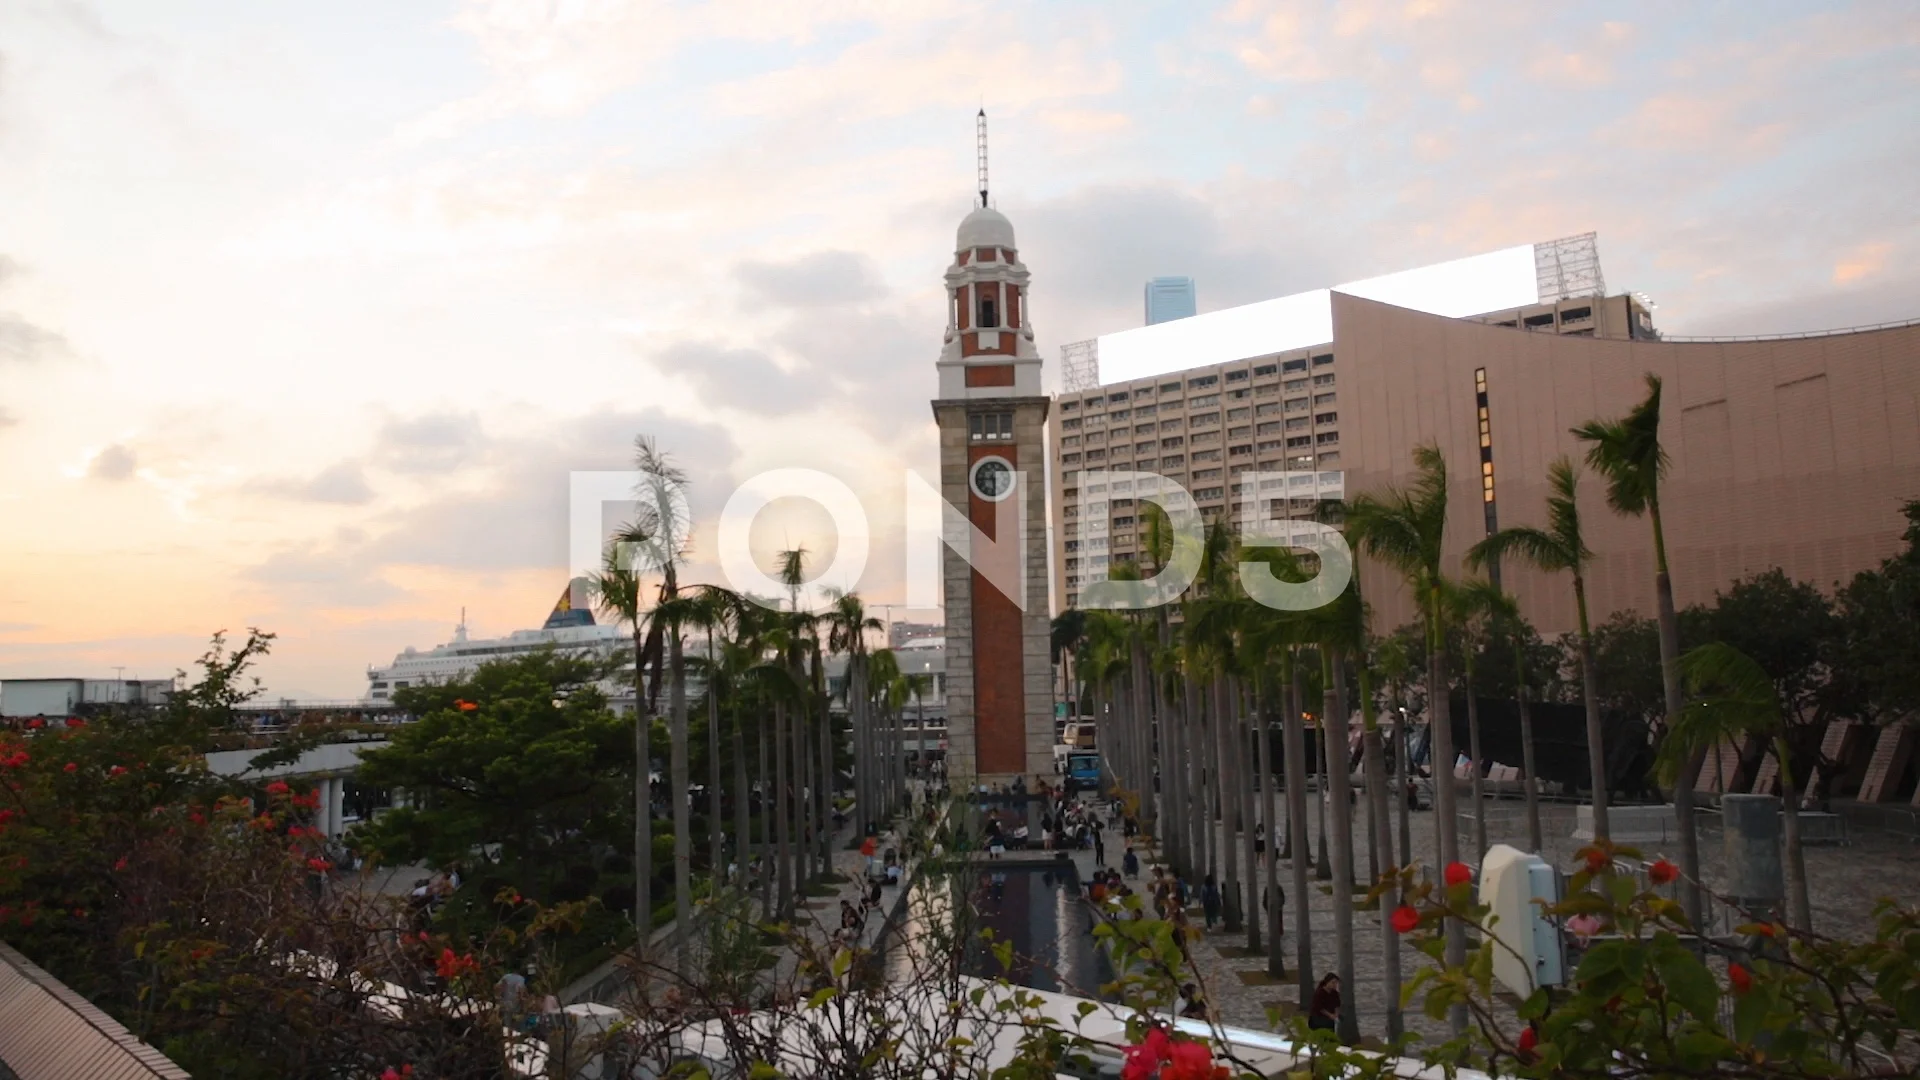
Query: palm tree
{"points": [[1394, 663], [617, 590], [1734, 698], [848, 625], [1339, 629], [1467, 609], [714, 608], [1405, 528], [1561, 547], [1502, 614], [1068, 633], [1628, 454]]}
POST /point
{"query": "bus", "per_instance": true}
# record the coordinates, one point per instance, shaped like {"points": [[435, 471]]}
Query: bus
{"points": [[1083, 771]]}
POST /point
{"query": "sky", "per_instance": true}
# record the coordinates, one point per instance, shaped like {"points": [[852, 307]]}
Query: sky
{"points": [[307, 312]]}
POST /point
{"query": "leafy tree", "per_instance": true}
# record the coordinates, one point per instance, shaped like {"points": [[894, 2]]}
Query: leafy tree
{"points": [[1876, 655]]}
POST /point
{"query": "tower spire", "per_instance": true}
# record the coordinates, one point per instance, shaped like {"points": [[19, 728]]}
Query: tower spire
{"points": [[980, 125]]}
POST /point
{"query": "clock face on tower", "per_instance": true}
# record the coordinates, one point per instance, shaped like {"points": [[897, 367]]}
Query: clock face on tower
{"points": [[992, 478]]}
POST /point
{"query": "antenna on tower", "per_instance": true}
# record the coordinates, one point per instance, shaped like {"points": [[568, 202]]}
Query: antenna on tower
{"points": [[981, 141]]}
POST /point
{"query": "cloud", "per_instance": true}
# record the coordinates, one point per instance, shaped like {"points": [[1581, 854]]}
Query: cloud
{"points": [[341, 484], [331, 577], [741, 378], [820, 279], [22, 341], [8, 420], [115, 463], [1862, 262], [430, 443]]}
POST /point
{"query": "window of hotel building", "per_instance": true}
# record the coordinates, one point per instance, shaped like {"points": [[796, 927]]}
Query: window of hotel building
{"points": [[1323, 380], [1298, 404], [1098, 436], [1267, 408], [1201, 381], [1207, 493], [1532, 321], [1205, 418], [1170, 443], [1240, 431], [1070, 425], [1073, 564], [1237, 395], [1205, 474], [1205, 437], [1143, 429], [1170, 462], [1118, 414], [1120, 503], [1327, 438], [1304, 461], [1326, 418], [1071, 511], [1071, 545], [1264, 370], [1323, 399], [1240, 413], [1123, 519], [1069, 459], [1069, 406], [1206, 455], [1268, 428], [1331, 457], [1299, 442], [1171, 425], [1172, 406], [1142, 391], [1096, 455], [1121, 396], [1237, 376], [1170, 388], [1297, 423], [1072, 491], [1070, 440], [1576, 314], [1266, 391], [1323, 360], [1203, 400], [1269, 444], [1142, 448], [1509, 322], [1145, 410], [1291, 366], [1240, 451], [1293, 385]]}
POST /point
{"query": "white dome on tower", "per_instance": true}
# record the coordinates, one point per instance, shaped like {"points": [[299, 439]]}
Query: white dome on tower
{"points": [[985, 227]]}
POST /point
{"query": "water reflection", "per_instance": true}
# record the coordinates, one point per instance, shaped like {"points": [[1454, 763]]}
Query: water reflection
{"points": [[1041, 909]]}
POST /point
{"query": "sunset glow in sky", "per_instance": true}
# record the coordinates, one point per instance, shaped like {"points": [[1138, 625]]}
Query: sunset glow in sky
{"points": [[307, 310]]}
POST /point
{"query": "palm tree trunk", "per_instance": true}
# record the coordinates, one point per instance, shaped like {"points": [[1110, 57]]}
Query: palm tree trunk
{"points": [[824, 801], [1293, 733], [1596, 732], [1249, 825], [1376, 770], [1670, 683], [1403, 760], [642, 804], [1201, 823], [1529, 780], [1473, 749], [742, 823], [1229, 805], [1338, 791], [782, 827], [1269, 818], [1801, 906], [1323, 861], [769, 852], [1445, 812], [679, 783], [716, 835]]}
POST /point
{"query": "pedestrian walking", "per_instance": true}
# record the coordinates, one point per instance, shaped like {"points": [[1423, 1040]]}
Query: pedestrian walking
{"points": [[1130, 863], [1210, 901], [1099, 849]]}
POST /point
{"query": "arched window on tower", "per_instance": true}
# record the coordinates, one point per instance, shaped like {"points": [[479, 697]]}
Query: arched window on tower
{"points": [[989, 318]]}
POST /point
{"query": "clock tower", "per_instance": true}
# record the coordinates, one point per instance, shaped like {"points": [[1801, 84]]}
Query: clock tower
{"points": [[991, 415]]}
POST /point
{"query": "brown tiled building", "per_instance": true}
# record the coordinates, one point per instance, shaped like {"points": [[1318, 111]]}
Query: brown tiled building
{"points": [[1794, 452]]}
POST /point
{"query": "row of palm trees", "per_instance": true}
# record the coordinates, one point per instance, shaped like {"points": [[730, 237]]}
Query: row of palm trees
{"points": [[762, 676], [1176, 699]]}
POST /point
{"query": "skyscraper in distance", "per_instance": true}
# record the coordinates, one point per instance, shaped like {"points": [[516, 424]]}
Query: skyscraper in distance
{"points": [[1169, 298]]}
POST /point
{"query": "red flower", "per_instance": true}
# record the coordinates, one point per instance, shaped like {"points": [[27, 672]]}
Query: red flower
{"points": [[1662, 872], [76, 722], [72, 765], [278, 787], [36, 723], [1144, 1059], [1764, 930], [1598, 861], [122, 864], [79, 913], [117, 770], [5, 816], [319, 866], [1526, 1042], [452, 967], [463, 705], [1741, 979], [1187, 1061], [1458, 873], [1405, 918]]}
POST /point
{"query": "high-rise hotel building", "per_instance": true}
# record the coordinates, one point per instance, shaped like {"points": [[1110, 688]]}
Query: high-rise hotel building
{"points": [[1795, 452]]}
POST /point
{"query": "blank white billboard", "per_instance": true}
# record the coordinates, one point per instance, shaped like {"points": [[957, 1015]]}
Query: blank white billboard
{"points": [[1496, 281]]}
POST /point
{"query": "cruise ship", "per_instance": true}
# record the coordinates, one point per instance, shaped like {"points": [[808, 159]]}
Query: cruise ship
{"points": [[570, 627]]}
